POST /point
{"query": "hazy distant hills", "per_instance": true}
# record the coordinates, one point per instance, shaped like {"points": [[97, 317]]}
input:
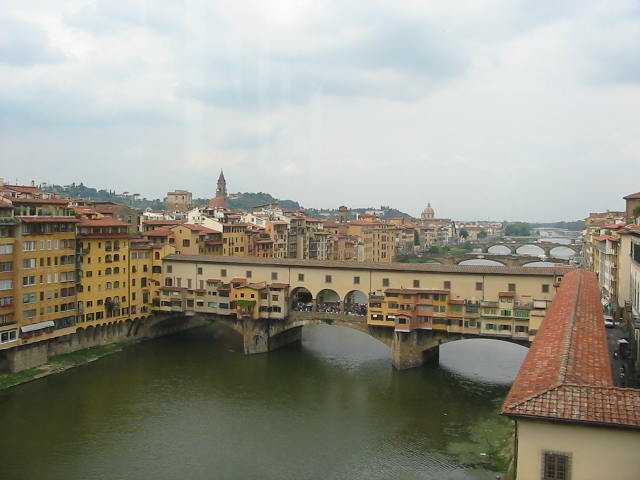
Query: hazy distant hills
{"points": [[244, 201]]}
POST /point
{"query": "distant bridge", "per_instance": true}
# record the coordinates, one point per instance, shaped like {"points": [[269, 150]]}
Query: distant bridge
{"points": [[546, 247], [506, 260]]}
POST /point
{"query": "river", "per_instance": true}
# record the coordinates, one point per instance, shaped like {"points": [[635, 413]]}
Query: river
{"points": [[192, 406]]}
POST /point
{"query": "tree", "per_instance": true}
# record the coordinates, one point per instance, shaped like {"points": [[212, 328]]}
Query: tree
{"points": [[482, 234], [518, 229], [464, 233], [636, 211]]}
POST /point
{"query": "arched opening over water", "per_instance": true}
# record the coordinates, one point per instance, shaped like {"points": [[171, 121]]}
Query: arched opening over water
{"points": [[328, 301], [355, 303], [483, 359], [482, 261], [562, 252], [345, 346], [499, 250], [301, 300], [539, 264], [530, 249]]}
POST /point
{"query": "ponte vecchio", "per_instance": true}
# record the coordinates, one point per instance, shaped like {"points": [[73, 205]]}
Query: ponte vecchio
{"points": [[413, 308]]}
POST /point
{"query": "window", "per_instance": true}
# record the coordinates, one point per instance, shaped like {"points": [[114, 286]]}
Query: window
{"points": [[327, 279], [186, 243], [248, 273], [29, 298], [6, 248], [29, 246], [8, 336], [274, 275], [274, 298], [7, 266], [512, 287], [301, 277], [199, 270], [385, 282], [479, 286], [556, 466], [223, 272], [545, 288], [29, 263], [447, 285], [169, 268], [416, 284], [29, 280], [356, 280]]}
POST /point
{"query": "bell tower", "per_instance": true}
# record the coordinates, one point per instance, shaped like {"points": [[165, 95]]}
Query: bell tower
{"points": [[221, 190]]}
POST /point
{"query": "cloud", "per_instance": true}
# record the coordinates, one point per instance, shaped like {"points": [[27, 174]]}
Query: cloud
{"points": [[24, 45], [291, 169], [236, 140]]}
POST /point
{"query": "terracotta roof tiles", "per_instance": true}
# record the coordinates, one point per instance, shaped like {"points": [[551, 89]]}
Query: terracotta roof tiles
{"points": [[566, 375]]}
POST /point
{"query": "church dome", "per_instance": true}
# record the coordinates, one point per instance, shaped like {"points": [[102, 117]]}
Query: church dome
{"points": [[428, 212]]}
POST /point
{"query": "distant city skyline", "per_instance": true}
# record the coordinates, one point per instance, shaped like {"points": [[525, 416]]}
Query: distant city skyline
{"points": [[502, 111]]}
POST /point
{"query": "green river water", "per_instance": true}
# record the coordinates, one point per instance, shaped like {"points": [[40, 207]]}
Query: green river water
{"points": [[192, 406]]}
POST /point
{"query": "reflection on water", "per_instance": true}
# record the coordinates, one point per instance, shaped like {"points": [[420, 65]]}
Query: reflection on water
{"points": [[193, 406]]}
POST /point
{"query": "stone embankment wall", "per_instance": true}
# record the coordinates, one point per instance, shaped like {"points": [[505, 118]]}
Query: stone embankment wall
{"points": [[38, 353]]}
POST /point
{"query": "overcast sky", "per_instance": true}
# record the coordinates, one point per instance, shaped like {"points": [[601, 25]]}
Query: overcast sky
{"points": [[487, 109]]}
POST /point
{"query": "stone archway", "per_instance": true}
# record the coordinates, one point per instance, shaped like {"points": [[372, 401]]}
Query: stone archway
{"points": [[301, 300], [328, 301], [356, 303]]}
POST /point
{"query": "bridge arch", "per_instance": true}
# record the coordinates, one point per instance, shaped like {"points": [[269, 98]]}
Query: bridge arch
{"points": [[502, 249], [356, 303], [540, 250], [301, 300], [561, 251], [482, 261], [328, 301]]}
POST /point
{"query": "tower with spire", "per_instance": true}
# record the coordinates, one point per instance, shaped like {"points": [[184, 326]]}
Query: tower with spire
{"points": [[221, 190], [220, 200]]}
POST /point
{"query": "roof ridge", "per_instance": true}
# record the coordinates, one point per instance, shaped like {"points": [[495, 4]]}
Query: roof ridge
{"points": [[535, 395], [569, 337]]}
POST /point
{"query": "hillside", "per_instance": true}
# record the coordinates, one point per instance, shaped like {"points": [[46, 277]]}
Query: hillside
{"points": [[244, 201]]}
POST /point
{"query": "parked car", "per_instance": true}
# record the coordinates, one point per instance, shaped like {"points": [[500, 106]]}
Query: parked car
{"points": [[608, 321]]}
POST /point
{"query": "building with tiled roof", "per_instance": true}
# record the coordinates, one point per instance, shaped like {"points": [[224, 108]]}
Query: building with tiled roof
{"points": [[632, 209], [571, 421]]}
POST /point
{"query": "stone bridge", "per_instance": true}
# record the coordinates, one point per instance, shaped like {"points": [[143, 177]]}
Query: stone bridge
{"points": [[506, 260], [547, 247], [408, 349]]}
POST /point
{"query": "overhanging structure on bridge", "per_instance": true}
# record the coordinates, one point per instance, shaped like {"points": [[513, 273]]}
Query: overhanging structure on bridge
{"points": [[411, 307]]}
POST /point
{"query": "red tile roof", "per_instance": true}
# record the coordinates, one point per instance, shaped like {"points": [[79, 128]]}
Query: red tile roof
{"points": [[163, 222], [158, 232], [566, 375], [602, 238], [39, 201], [102, 222], [49, 219], [632, 196]]}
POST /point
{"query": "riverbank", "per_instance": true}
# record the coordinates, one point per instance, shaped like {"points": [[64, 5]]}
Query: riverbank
{"points": [[60, 363]]}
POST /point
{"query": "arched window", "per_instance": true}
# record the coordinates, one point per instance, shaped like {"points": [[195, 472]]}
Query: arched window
{"points": [[107, 271], [108, 286]]}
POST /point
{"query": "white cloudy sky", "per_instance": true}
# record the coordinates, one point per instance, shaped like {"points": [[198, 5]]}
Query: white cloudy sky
{"points": [[494, 109]]}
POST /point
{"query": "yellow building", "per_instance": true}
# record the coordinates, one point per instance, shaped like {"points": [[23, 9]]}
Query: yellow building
{"points": [[234, 239], [37, 271], [104, 268]]}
